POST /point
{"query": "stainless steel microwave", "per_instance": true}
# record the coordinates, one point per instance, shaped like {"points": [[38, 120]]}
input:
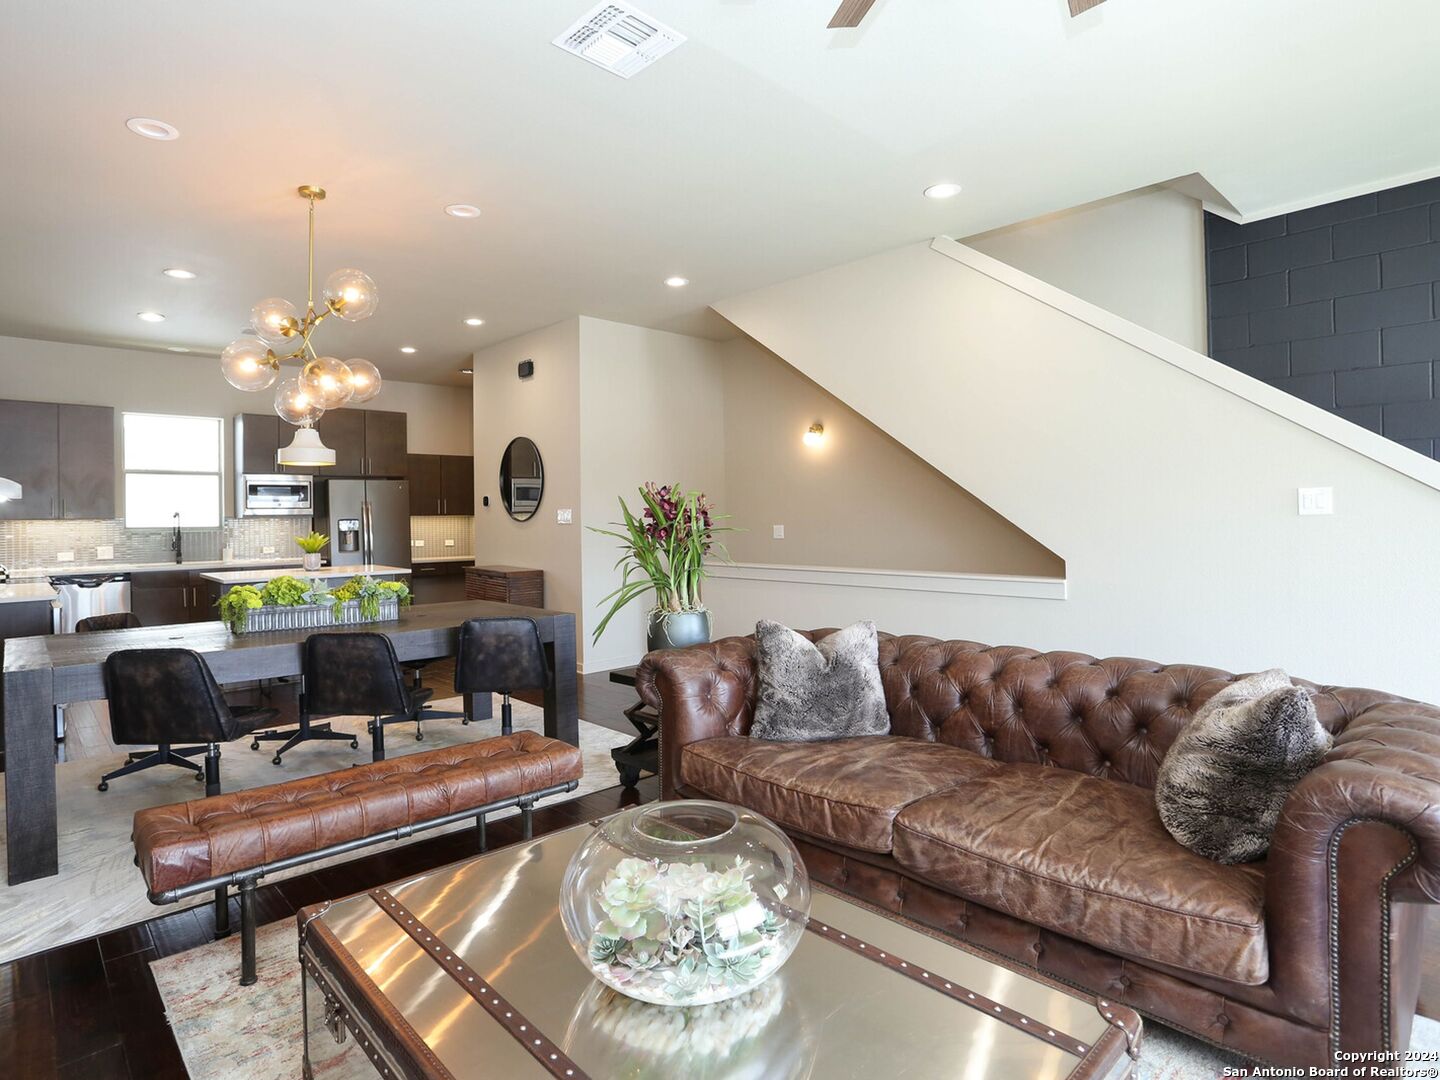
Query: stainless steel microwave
{"points": [[277, 496]]}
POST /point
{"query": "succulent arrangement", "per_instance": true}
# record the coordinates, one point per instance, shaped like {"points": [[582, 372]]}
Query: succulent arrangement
{"points": [[312, 543], [683, 929], [287, 591]]}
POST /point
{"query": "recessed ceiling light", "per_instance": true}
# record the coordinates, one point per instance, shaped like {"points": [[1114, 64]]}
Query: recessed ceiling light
{"points": [[462, 210], [473, 321], [677, 282], [151, 316], [942, 191], [178, 273], [177, 348], [152, 129], [407, 348], [467, 371]]}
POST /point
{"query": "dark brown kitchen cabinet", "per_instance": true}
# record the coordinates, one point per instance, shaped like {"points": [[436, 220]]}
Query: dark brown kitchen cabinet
{"points": [[438, 582], [30, 455], [423, 472], [386, 437], [257, 440], [63, 458], [343, 431], [457, 484], [87, 462], [162, 597]]}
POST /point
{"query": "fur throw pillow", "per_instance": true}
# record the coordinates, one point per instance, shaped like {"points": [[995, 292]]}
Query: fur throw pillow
{"points": [[828, 689], [1221, 786]]}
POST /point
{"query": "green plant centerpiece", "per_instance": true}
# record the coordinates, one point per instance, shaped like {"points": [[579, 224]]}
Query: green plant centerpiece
{"points": [[663, 550], [685, 903], [311, 599], [312, 544]]}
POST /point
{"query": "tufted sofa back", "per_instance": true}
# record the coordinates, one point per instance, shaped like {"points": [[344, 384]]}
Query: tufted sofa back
{"points": [[1113, 718]]}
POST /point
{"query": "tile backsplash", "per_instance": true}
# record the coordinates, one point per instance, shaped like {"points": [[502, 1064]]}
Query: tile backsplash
{"points": [[432, 532], [26, 544]]}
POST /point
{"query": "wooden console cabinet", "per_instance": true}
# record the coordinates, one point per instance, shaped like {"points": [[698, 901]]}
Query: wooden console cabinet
{"points": [[505, 585]]}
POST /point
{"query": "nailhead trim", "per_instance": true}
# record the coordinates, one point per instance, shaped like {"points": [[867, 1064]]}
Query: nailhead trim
{"points": [[348, 1023], [1019, 1021], [542, 1049]]}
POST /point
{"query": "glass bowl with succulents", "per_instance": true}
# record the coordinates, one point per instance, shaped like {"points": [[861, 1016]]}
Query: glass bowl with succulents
{"points": [[685, 903]]}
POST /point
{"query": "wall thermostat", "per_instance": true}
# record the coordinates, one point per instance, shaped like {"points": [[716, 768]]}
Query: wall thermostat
{"points": [[527, 368]]}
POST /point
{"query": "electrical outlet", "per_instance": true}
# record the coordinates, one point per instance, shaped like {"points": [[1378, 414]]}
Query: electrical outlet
{"points": [[418, 543], [65, 556], [563, 517], [105, 551], [778, 532], [449, 543], [267, 551], [1319, 500]]}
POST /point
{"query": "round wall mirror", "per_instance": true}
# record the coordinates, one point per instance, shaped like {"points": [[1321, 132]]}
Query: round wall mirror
{"points": [[522, 478]]}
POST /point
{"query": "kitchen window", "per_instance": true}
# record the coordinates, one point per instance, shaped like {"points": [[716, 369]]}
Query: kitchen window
{"points": [[173, 465]]}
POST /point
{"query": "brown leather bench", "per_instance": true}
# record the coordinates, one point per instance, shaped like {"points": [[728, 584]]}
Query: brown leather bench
{"points": [[234, 840]]}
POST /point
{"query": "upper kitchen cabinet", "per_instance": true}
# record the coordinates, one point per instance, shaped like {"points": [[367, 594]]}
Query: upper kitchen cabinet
{"points": [[424, 476], [385, 442], [87, 462], [343, 430], [457, 485], [257, 440], [63, 458]]}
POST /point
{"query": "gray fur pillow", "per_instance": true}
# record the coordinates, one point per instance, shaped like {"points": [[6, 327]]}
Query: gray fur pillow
{"points": [[829, 689], [1221, 786]]}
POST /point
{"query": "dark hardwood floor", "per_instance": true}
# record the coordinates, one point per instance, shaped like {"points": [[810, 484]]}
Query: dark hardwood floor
{"points": [[90, 1010]]}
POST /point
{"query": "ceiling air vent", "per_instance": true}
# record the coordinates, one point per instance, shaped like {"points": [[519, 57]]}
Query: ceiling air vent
{"points": [[619, 39]]}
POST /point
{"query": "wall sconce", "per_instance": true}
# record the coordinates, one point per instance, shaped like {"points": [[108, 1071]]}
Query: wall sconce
{"points": [[816, 435]]}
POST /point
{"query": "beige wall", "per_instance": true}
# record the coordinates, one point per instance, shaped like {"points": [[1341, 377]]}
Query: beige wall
{"points": [[137, 381], [1166, 481], [545, 407], [1140, 255], [652, 408], [859, 499]]}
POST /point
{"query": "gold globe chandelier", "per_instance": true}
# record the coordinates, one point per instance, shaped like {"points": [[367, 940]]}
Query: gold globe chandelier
{"points": [[251, 362]]}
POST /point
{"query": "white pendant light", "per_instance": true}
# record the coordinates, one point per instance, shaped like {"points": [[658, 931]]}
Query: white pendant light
{"points": [[9, 489], [305, 450]]}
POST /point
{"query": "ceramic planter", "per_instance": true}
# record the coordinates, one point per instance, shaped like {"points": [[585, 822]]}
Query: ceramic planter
{"points": [[677, 629]]}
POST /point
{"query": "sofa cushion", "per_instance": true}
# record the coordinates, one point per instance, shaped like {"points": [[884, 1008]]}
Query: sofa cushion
{"points": [[844, 790], [1089, 858]]}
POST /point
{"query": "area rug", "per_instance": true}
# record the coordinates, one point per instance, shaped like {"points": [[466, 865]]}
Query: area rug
{"points": [[225, 1030], [98, 888]]}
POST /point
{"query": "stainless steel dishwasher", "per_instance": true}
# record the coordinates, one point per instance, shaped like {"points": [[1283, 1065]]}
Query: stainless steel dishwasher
{"points": [[83, 595]]}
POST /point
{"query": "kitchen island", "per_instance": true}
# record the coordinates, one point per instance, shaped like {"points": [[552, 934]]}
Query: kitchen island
{"points": [[256, 577], [42, 672]]}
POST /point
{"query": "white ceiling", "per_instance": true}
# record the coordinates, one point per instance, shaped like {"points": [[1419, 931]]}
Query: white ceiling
{"points": [[763, 148]]}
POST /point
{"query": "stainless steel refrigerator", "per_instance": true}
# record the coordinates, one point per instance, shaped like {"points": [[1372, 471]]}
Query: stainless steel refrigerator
{"points": [[368, 521]]}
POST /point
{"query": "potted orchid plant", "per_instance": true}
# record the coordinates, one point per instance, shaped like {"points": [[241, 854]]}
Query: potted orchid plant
{"points": [[663, 552]]}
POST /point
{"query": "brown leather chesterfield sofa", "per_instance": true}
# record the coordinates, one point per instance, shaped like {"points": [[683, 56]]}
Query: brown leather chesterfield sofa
{"points": [[1011, 807]]}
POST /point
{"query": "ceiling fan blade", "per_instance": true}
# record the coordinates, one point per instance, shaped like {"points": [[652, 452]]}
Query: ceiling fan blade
{"points": [[1078, 6], [850, 12]]}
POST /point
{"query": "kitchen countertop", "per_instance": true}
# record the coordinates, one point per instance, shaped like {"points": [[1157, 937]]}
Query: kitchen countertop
{"points": [[250, 577], [33, 573], [27, 593], [442, 558]]}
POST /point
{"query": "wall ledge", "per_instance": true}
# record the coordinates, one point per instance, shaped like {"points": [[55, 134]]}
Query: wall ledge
{"points": [[1032, 588], [1362, 441]]}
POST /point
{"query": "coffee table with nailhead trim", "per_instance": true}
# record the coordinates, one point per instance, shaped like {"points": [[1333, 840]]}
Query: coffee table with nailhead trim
{"points": [[465, 972]]}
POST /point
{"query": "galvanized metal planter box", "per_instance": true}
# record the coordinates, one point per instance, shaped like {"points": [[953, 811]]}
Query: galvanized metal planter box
{"points": [[310, 615]]}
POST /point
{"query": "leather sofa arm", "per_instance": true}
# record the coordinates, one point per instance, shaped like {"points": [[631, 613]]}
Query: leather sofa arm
{"points": [[702, 692]]}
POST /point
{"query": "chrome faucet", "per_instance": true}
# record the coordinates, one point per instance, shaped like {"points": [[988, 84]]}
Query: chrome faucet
{"points": [[175, 538]]}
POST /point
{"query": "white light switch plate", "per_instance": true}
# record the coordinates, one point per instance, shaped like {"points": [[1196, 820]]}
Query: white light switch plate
{"points": [[1318, 500], [778, 532], [449, 543], [563, 517], [105, 551], [65, 556]]}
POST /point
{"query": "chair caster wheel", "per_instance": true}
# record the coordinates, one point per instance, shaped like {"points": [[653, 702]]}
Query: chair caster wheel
{"points": [[419, 736], [102, 786], [255, 745], [199, 778], [466, 723], [275, 760], [354, 744]]}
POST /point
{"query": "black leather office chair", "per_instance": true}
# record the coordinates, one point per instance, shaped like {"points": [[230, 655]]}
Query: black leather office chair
{"points": [[163, 696], [499, 656], [119, 620], [354, 674]]}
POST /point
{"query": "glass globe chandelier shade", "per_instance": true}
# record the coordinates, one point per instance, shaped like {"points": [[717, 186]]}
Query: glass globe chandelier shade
{"points": [[364, 380], [328, 381], [351, 294], [275, 320], [294, 405], [247, 365]]}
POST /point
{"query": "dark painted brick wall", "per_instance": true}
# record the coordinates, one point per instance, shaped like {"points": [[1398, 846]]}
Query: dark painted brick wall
{"points": [[1339, 305]]}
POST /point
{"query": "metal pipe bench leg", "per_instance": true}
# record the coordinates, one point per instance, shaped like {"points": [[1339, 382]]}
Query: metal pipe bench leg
{"points": [[527, 819], [247, 932], [222, 911], [480, 830]]}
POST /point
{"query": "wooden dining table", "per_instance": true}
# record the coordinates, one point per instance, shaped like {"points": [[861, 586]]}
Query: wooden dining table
{"points": [[43, 672]]}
